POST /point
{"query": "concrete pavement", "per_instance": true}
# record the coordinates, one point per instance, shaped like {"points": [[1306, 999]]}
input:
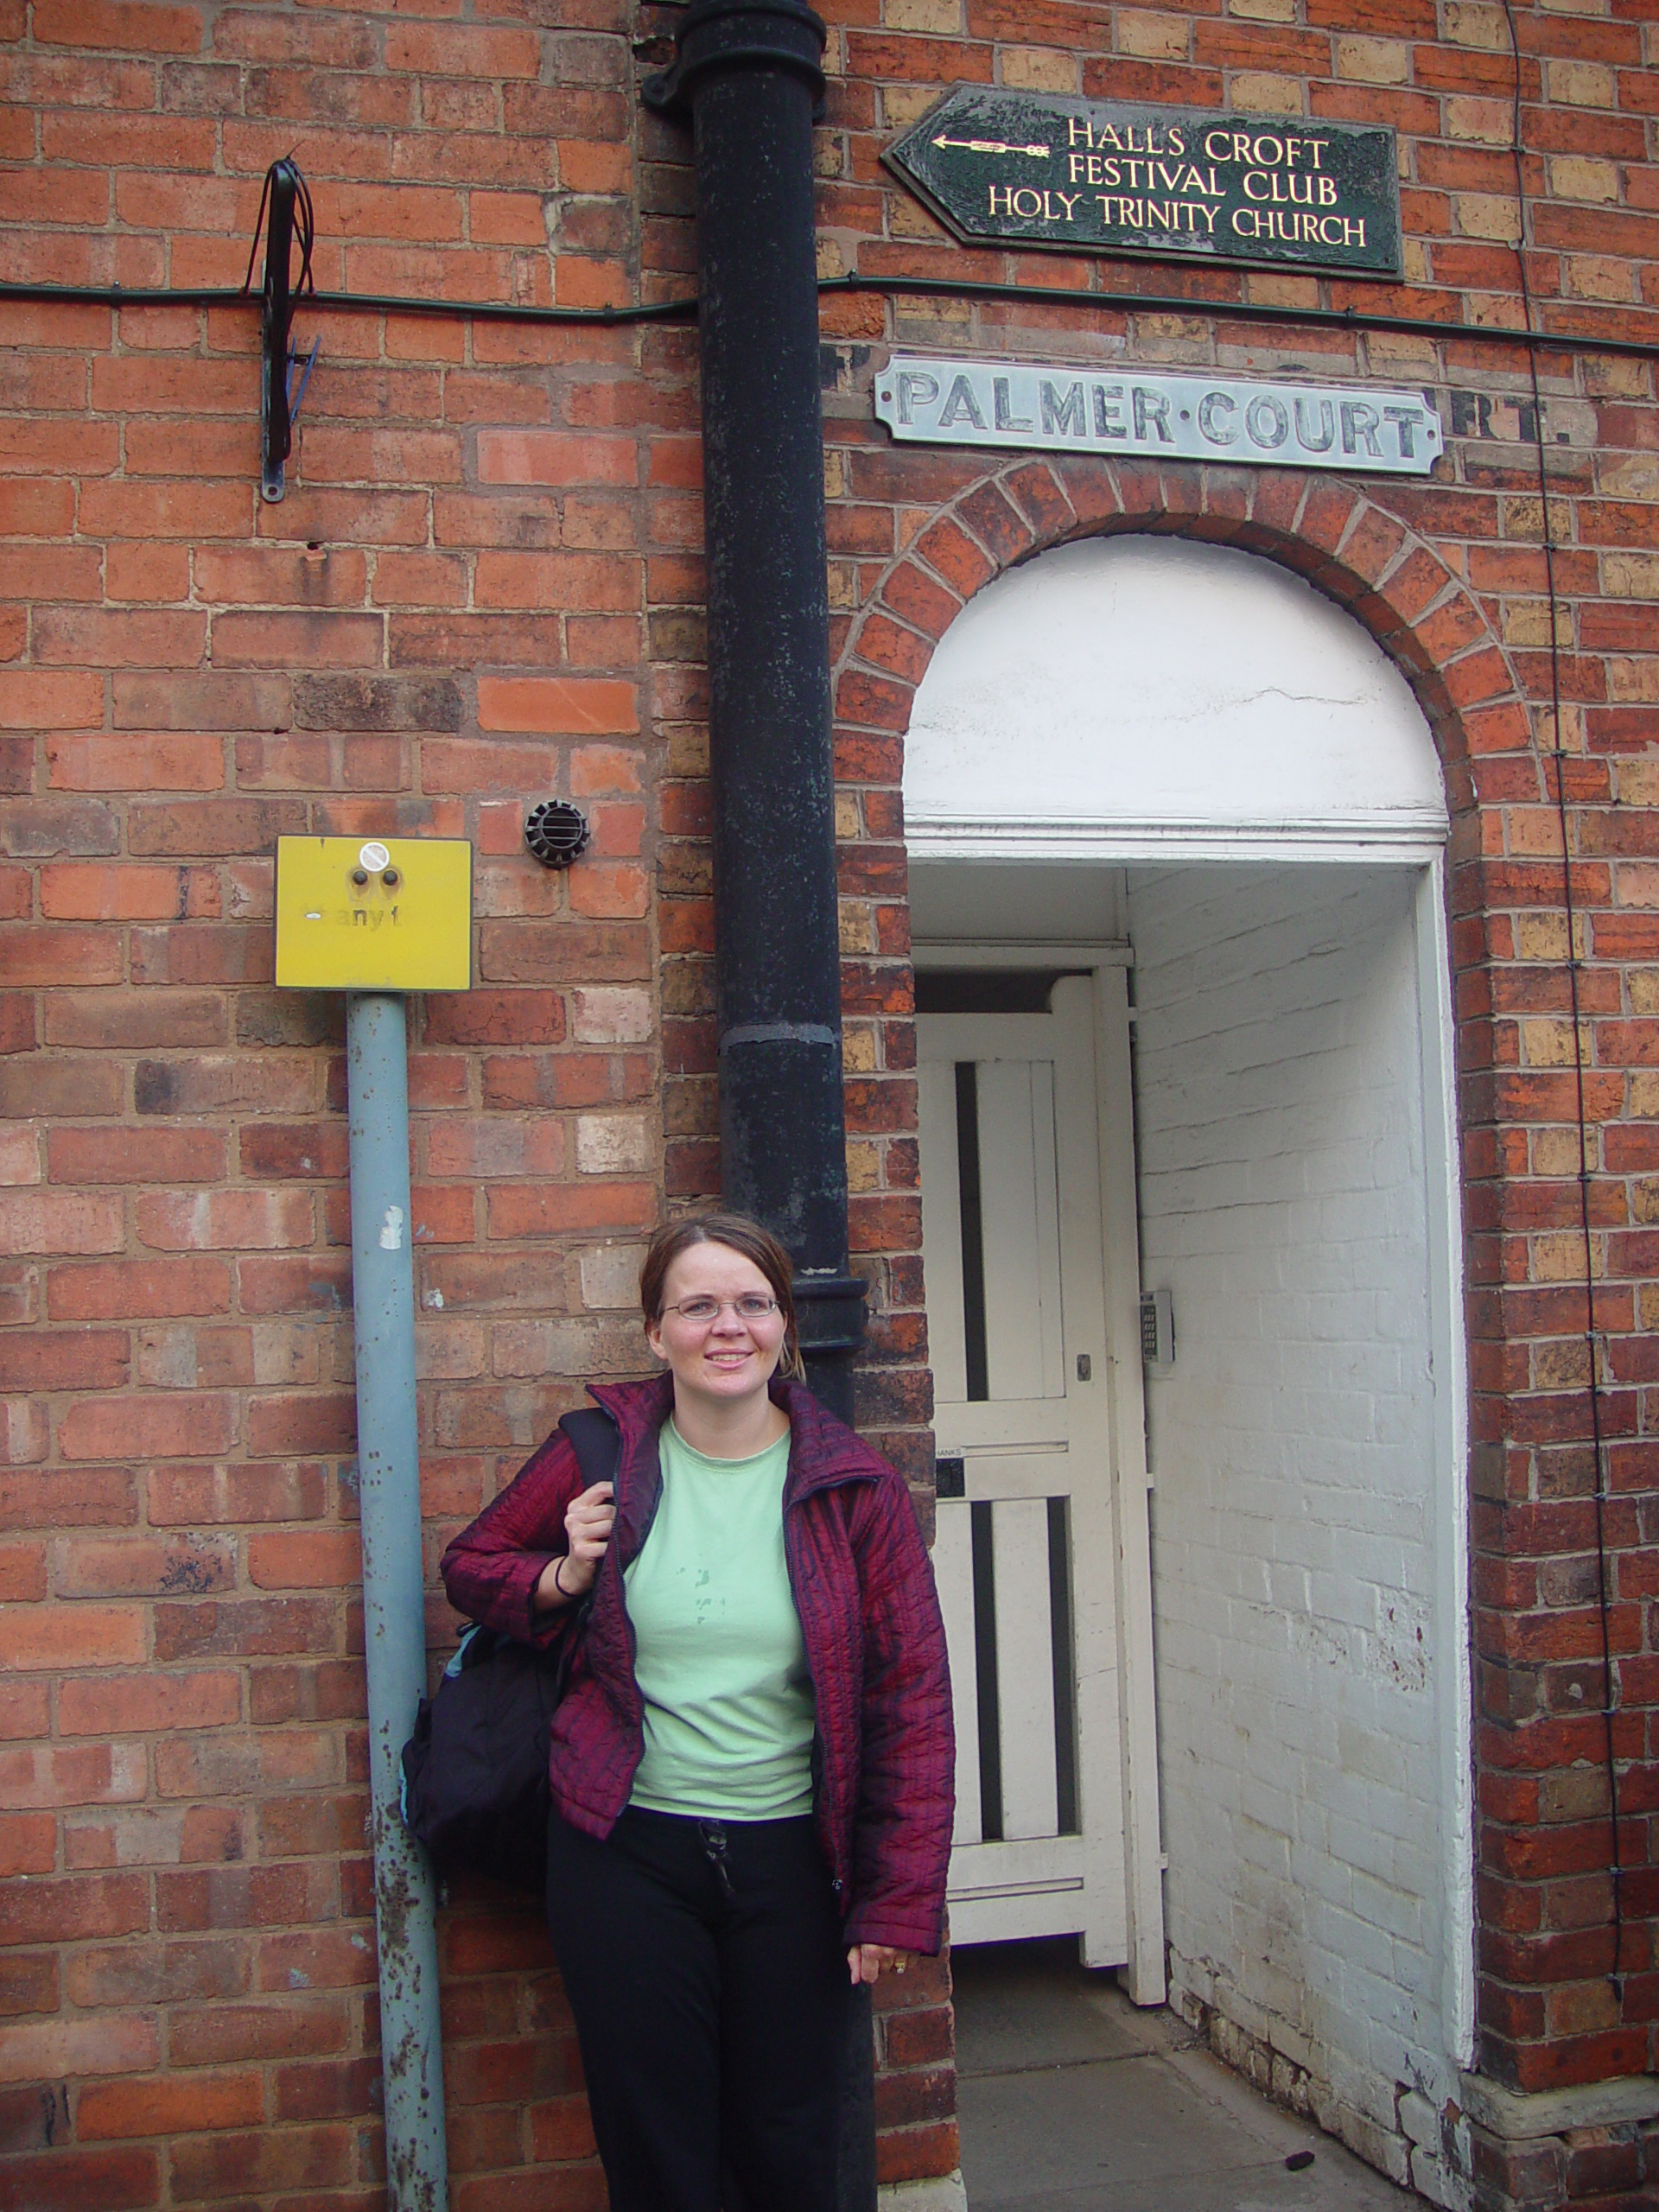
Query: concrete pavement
{"points": [[1072, 2101]]}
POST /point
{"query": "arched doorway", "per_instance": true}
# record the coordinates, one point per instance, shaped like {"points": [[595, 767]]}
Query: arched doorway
{"points": [[1175, 826]]}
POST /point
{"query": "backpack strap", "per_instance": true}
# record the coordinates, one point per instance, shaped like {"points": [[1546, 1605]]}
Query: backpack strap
{"points": [[597, 1442]]}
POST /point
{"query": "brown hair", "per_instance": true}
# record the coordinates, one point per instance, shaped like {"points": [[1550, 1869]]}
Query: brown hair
{"points": [[739, 1234]]}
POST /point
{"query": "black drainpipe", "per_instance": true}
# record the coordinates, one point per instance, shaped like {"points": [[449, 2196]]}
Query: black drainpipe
{"points": [[748, 74]]}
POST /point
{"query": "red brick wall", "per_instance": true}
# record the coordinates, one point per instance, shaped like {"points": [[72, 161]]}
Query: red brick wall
{"points": [[483, 588]]}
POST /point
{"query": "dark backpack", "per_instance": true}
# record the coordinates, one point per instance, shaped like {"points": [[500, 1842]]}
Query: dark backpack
{"points": [[475, 1788]]}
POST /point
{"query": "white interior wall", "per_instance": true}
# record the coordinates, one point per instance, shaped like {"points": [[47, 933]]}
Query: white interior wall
{"points": [[1280, 1126], [1021, 902]]}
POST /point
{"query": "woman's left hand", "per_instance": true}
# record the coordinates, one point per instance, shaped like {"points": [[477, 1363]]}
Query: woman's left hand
{"points": [[868, 1962]]}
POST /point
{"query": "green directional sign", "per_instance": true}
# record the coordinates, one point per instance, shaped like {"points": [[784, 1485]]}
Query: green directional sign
{"points": [[1095, 176]]}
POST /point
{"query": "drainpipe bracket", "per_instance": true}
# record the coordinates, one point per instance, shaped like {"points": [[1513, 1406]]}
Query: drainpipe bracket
{"points": [[828, 1313], [727, 34]]}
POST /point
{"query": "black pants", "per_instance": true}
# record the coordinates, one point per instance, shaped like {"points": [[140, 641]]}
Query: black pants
{"points": [[704, 1964]]}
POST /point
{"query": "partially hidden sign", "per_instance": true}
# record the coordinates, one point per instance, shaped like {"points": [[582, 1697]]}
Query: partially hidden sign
{"points": [[373, 914], [1092, 176], [945, 400]]}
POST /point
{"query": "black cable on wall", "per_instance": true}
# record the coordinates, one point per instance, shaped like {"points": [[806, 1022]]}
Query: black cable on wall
{"points": [[1486, 335]]}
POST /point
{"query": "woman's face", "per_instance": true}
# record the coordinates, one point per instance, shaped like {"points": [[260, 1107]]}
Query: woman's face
{"points": [[727, 1358]]}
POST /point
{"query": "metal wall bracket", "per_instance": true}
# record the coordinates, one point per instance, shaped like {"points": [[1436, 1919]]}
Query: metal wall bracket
{"points": [[720, 35]]}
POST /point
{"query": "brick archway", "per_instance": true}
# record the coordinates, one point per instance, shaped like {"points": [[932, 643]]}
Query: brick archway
{"points": [[1325, 528], [1363, 558]]}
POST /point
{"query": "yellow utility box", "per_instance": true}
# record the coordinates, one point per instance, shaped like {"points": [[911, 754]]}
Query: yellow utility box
{"points": [[374, 914]]}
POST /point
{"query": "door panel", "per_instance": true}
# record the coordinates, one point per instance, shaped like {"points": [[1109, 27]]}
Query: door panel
{"points": [[1018, 1532], [1020, 1226]]}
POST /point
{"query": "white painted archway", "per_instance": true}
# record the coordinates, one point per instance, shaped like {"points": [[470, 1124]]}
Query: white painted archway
{"points": [[1177, 758], [1152, 698]]}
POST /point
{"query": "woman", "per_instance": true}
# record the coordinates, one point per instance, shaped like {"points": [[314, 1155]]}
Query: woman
{"points": [[751, 1772]]}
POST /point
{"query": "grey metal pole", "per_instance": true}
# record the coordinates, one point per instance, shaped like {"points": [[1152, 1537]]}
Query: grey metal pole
{"points": [[383, 1300]]}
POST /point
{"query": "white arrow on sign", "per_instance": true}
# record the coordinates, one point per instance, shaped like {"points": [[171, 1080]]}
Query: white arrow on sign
{"points": [[992, 146]]}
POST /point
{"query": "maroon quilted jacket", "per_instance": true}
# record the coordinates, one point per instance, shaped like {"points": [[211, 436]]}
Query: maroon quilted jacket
{"points": [[885, 1754]]}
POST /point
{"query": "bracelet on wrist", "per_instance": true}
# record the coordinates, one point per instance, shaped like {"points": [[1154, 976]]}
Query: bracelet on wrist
{"points": [[557, 1563]]}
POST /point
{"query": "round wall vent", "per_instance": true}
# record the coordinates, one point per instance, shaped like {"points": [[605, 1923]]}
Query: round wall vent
{"points": [[555, 832]]}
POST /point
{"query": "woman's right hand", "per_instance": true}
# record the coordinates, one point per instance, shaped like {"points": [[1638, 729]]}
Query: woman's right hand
{"points": [[587, 1523]]}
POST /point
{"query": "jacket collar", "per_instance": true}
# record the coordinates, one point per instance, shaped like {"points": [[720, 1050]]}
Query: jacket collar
{"points": [[823, 1450]]}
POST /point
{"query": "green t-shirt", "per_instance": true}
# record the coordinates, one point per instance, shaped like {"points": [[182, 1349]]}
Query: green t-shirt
{"points": [[720, 1659]]}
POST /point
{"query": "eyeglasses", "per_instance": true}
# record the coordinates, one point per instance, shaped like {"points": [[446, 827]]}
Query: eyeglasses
{"points": [[701, 1311]]}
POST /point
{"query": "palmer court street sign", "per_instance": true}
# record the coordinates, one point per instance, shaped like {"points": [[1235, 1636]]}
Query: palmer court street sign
{"points": [[937, 399], [1090, 176]]}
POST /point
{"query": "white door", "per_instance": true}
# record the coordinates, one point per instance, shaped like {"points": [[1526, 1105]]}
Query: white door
{"points": [[1041, 1552]]}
